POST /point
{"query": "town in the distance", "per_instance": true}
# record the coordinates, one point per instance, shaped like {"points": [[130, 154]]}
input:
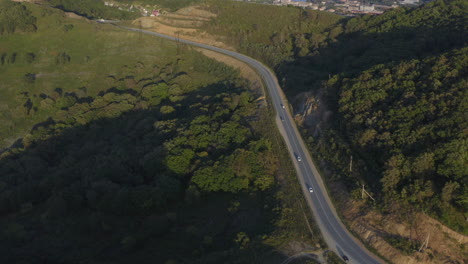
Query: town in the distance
{"points": [[340, 7], [344, 7]]}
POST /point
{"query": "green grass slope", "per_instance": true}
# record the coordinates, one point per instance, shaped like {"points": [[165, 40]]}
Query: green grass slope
{"points": [[69, 55]]}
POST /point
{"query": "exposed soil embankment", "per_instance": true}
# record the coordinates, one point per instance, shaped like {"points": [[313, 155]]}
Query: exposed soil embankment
{"points": [[186, 24], [443, 244]]}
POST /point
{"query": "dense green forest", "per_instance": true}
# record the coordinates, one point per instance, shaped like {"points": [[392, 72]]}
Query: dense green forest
{"points": [[15, 17], [400, 96], [396, 84], [96, 8], [93, 9], [408, 121], [270, 33], [123, 148]]}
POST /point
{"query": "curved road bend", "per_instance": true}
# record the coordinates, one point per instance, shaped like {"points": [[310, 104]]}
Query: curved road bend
{"points": [[335, 234]]}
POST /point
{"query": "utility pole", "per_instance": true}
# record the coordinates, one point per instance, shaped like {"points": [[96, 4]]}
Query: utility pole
{"points": [[140, 33], [178, 43], [425, 243], [365, 192]]}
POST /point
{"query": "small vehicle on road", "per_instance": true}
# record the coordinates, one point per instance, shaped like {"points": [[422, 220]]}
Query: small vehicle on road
{"points": [[345, 258], [311, 190], [282, 106], [282, 118], [299, 158]]}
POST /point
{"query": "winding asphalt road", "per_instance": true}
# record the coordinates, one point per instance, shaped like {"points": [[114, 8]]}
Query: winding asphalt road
{"points": [[335, 234]]}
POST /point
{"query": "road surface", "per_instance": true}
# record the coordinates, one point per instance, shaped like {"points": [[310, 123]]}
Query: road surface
{"points": [[335, 234]]}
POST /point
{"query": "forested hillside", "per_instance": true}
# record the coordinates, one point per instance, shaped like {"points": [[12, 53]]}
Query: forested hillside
{"points": [[272, 34], [93, 9], [408, 121], [401, 96], [396, 84], [96, 9], [123, 148]]}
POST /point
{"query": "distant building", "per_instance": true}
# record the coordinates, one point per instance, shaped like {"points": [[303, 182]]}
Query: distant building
{"points": [[364, 8], [385, 7], [300, 3], [409, 2], [144, 12]]}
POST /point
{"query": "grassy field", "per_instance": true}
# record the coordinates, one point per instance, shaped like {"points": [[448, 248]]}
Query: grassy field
{"points": [[74, 55]]}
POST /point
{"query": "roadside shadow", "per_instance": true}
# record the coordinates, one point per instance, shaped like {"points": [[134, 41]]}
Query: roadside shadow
{"points": [[355, 52]]}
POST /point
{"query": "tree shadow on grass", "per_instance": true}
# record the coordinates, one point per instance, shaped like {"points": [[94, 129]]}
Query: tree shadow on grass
{"points": [[101, 192]]}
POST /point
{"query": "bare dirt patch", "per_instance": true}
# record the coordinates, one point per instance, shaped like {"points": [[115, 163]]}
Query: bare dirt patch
{"points": [[175, 22], [195, 11], [181, 16], [185, 24], [74, 16], [193, 34], [444, 246], [158, 25]]}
